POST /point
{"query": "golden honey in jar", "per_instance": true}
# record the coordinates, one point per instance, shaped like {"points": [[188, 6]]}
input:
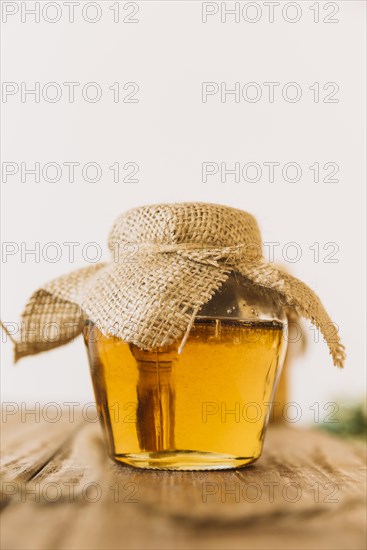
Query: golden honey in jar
{"points": [[205, 406]]}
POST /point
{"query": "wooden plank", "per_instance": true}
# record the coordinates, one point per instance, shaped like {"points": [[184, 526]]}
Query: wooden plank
{"points": [[307, 491], [28, 441]]}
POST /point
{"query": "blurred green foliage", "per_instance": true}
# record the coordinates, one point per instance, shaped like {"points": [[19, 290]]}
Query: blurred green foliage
{"points": [[349, 421]]}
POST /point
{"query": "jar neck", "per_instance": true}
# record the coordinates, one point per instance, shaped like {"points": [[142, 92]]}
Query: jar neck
{"points": [[240, 299]]}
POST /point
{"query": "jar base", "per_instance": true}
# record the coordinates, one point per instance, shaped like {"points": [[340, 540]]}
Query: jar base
{"points": [[184, 460]]}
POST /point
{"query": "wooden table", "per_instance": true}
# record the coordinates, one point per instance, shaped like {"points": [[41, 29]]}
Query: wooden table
{"points": [[59, 491]]}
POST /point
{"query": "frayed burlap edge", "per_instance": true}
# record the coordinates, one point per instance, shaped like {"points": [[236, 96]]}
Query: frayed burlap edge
{"points": [[54, 305]]}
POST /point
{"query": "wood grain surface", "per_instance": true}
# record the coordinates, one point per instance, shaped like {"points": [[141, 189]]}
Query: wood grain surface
{"points": [[60, 491]]}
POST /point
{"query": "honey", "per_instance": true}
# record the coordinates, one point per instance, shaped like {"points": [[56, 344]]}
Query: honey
{"points": [[204, 408]]}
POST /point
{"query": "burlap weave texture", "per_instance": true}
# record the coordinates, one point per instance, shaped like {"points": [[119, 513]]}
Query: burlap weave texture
{"points": [[166, 262]]}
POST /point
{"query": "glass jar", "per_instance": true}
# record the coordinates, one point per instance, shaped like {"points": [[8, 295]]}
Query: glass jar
{"points": [[204, 408]]}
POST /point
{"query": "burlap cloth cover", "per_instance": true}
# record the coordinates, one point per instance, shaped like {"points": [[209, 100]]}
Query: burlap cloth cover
{"points": [[167, 261]]}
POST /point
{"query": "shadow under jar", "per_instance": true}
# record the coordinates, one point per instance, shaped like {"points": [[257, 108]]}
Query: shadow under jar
{"points": [[204, 408]]}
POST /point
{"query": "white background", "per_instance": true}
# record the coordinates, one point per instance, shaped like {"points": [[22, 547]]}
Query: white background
{"points": [[169, 133]]}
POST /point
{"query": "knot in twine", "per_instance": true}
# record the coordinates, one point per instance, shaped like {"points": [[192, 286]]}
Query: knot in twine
{"points": [[198, 252]]}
